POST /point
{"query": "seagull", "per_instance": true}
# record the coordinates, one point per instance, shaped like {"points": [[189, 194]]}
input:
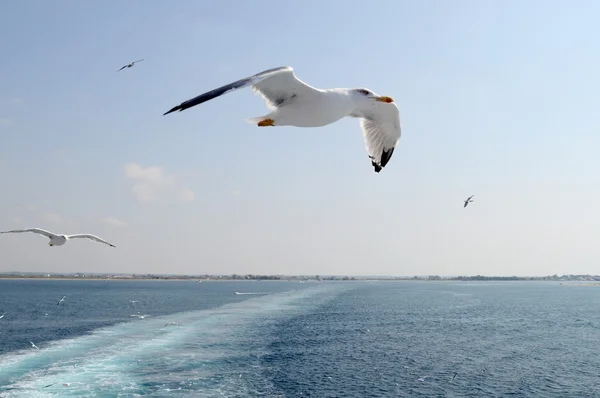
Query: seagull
{"points": [[2, 316], [469, 200], [61, 300], [295, 103], [33, 345], [130, 65], [139, 316], [58, 240], [56, 382]]}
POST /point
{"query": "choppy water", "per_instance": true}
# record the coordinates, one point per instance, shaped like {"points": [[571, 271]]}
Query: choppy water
{"points": [[347, 339]]}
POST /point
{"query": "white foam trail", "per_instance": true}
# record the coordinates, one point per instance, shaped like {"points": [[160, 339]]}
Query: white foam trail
{"points": [[208, 352]]}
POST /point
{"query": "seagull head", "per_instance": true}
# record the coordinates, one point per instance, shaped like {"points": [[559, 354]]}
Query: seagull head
{"points": [[363, 93]]}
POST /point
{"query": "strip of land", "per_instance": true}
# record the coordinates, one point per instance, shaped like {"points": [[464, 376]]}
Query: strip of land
{"points": [[236, 277]]}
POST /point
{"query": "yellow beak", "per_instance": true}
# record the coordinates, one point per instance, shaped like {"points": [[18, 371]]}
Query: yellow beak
{"points": [[385, 99]]}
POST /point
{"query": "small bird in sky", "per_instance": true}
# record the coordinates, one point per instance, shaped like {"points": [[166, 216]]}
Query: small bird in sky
{"points": [[33, 345], [130, 65], [469, 200], [2, 316], [61, 300]]}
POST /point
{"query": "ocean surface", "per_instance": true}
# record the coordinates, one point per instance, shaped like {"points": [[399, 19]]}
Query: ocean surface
{"points": [[290, 339]]}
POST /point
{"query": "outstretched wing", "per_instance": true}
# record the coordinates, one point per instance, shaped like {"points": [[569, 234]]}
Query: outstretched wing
{"points": [[34, 230], [276, 85], [381, 130], [123, 68], [92, 237], [139, 60]]}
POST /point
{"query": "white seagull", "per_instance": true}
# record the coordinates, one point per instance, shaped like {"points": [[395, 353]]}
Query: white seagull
{"points": [[33, 345], [2, 316], [295, 103], [469, 200], [56, 239], [130, 65], [56, 382], [61, 300]]}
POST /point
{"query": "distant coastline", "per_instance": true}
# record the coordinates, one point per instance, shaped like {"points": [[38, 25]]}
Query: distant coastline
{"points": [[291, 278]]}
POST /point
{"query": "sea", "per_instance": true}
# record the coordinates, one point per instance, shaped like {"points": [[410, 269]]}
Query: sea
{"points": [[119, 338]]}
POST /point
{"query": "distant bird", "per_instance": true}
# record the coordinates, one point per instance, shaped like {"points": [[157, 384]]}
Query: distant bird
{"points": [[56, 382], [61, 300], [58, 240], [2, 316], [171, 323], [130, 65], [453, 377], [469, 200], [33, 345], [295, 103]]}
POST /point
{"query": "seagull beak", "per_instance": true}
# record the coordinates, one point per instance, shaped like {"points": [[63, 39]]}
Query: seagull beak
{"points": [[388, 100]]}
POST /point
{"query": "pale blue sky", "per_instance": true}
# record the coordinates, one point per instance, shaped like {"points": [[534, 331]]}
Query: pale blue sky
{"points": [[497, 99]]}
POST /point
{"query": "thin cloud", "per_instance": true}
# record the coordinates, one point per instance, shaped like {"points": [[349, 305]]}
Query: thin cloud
{"points": [[58, 221], [236, 192], [114, 222], [5, 121], [153, 183], [30, 216]]}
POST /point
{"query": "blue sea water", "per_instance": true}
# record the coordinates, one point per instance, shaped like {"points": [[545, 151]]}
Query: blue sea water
{"points": [[288, 339]]}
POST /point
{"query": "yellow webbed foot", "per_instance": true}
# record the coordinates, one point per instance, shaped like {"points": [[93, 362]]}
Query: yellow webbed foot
{"points": [[266, 123]]}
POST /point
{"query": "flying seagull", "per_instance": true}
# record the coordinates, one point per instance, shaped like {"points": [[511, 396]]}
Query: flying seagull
{"points": [[61, 300], [56, 382], [2, 316], [33, 345], [469, 200], [130, 65], [295, 103], [58, 240]]}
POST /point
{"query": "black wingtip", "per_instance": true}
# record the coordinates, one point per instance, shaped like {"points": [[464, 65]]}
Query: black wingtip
{"points": [[376, 166], [177, 108], [385, 158]]}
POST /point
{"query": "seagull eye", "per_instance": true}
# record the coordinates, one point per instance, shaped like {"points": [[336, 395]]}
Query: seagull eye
{"points": [[364, 92]]}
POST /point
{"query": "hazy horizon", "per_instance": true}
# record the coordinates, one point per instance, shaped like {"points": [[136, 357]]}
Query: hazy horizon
{"points": [[496, 99]]}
